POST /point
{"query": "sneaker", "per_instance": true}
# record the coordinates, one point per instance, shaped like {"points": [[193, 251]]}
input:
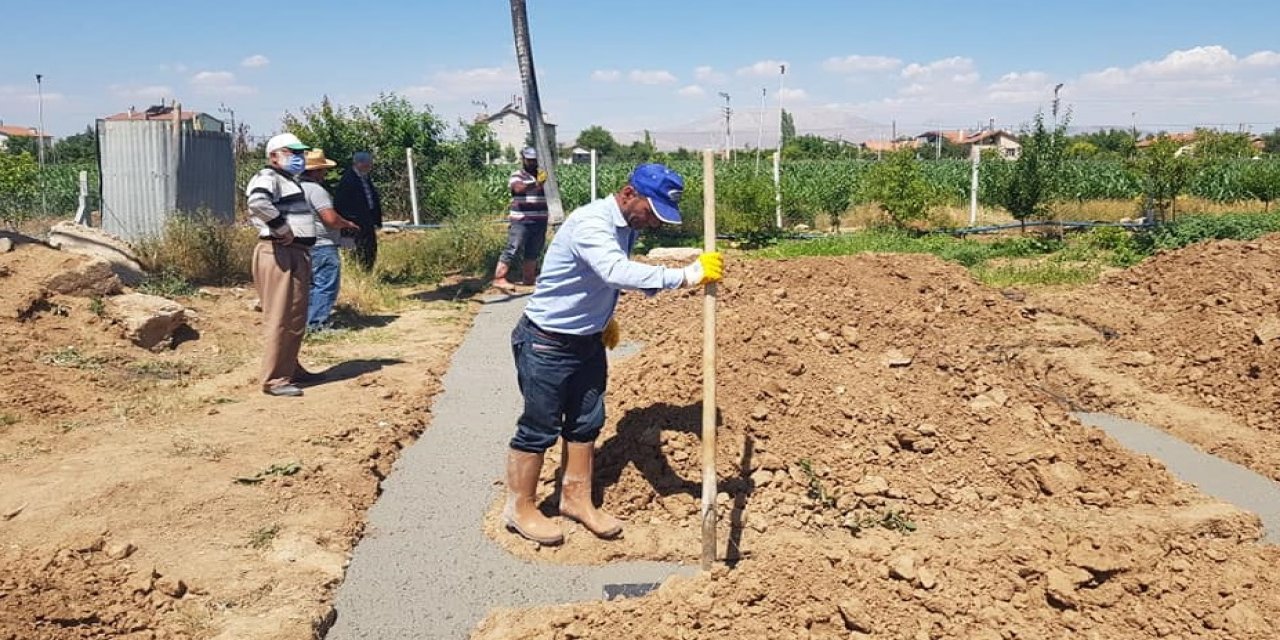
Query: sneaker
{"points": [[283, 391]]}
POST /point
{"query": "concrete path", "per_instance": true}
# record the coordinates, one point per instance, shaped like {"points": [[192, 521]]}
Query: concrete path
{"points": [[1224, 480], [425, 568]]}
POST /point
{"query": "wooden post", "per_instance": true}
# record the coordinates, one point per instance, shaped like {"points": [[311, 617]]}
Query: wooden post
{"points": [[708, 368]]}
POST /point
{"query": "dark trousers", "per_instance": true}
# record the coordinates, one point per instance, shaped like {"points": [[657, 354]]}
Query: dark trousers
{"points": [[366, 250], [562, 379]]}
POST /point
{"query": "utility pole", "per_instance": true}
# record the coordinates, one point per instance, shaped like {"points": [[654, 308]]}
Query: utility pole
{"points": [[728, 120], [760, 134], [44, 200], [223, 108]]}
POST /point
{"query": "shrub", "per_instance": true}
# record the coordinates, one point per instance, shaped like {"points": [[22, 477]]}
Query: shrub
{"points": [[201, 249]]}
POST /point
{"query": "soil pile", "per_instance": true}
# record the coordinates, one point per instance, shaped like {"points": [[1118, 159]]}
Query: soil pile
{"points": [[890, 467], [1202, 323]]}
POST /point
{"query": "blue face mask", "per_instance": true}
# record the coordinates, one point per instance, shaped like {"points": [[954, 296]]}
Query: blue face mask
{"points": [[296, 164]]}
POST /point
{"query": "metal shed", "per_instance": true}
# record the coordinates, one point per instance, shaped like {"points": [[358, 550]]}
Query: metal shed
{"points": [[160, 166]]}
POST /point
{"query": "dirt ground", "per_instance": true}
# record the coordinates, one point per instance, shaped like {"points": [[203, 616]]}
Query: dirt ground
{"points": [[894, 462], [896, 458], [161, 495], [1188, 341]]}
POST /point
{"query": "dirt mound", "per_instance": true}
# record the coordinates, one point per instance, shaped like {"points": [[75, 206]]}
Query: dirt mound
{"points": [[88, 590], [1171, 573], [890, 466], [1203, 322], [1188, 341], [853, 393]]}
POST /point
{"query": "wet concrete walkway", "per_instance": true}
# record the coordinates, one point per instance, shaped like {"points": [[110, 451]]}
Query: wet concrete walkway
{"points": [[1226, 481], [425, 568]]}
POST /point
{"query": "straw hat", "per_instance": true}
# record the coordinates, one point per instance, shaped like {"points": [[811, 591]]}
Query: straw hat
{"points": [[316, 160]]}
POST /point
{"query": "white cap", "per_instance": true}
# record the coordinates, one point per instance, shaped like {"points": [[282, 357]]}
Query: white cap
{"points": [[529, 153], [285, 141]]}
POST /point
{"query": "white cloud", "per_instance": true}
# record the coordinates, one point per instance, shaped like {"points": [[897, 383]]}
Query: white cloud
{"points": [[763, 68], [606, 75], [861, 64], [255, 61], [794, 95], [143, 93], [16, 94], [1263, 59], [420, 93], [176, 67], [692, 91], [219, 83], [708, 74], [478, 79], [1026, 87], [655, 76], [956, 69]]}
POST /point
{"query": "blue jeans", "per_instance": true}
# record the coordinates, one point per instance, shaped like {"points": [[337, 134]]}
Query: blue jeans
{"points": [[326, 276], [524, 240], [562, 378]]}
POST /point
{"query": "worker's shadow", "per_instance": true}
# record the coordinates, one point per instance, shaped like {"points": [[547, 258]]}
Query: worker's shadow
{"points": [[638, 442]]}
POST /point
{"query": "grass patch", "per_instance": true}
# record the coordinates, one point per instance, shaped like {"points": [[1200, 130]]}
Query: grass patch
{"points": [[71, 358], [278, 469], [8, 419], [263, 537], [189, 447], [159, 369], [167, 282], [1048, 273], [201, 249]]}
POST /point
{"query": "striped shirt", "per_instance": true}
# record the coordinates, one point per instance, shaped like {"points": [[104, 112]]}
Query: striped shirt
{"points": [[530, 206], [276, 200]]}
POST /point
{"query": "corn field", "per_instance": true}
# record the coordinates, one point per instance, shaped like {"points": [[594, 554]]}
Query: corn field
{"points": [[809, 187]]}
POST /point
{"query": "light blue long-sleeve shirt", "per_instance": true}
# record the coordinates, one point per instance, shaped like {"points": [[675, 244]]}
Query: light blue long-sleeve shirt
{"points": [[586, 266]]}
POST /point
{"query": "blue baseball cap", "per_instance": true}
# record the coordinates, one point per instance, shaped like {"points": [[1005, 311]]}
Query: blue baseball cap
{"points": [[662, 187]]}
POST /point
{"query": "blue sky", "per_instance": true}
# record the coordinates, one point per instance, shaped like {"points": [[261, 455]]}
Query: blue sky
{"points": [[658, 64]]}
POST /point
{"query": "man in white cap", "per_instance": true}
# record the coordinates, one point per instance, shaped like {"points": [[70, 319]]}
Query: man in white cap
{"points": [[527, 232], [278, 208], [559, 344]]}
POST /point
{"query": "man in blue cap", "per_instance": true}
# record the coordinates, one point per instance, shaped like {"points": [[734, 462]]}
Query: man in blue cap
{"points": [[559, 344], [357, 200]]}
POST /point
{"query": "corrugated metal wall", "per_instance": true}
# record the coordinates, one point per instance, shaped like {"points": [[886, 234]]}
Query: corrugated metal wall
{"points": [[148, 173]]}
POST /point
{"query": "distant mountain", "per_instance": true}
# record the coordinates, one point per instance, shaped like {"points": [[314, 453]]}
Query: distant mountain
{"points": [[708, 132]]}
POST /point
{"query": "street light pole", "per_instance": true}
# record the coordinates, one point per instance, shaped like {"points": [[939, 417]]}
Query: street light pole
{"points": [[728, 113], [760, 133], [223, 108], [44, 201]]}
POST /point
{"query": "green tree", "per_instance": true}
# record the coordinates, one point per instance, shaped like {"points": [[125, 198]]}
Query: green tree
{"points": [[897, 184], [77, 149], [1116, 143], [1261, 179], [19, 177], [598, 138], [1163, 174], [1035, 180], [19, 145], [1271, 142], [1216, 145], [788, 127]]}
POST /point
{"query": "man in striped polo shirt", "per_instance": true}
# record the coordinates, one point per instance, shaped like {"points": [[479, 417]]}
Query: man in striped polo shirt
{"points": [[286, 226], [527, 233]]}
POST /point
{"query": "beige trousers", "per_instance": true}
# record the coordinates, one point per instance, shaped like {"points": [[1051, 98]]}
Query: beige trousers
{"points": [[282, 275]]}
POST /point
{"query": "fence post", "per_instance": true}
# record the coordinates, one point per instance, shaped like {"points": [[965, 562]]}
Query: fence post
{"points": [[973, 189], [777, 185], [413, 186], [593, 175], [82, 211]]}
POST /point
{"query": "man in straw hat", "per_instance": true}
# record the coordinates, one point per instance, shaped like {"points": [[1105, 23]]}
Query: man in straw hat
{"points": [[286, 226], [326, 267], [559, 344]]}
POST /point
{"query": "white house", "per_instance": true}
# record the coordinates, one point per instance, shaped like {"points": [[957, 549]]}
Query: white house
{"points": [[12, 131], [1005, 144], [510, 125], [191, 119]]}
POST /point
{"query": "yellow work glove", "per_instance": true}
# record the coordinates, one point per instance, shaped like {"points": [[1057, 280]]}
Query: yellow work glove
{"points": [[542, 176], [708, 268], [612, 334]]}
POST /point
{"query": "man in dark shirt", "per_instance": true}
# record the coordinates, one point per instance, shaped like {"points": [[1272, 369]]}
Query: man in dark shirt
{"points": [[357, 200]]}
